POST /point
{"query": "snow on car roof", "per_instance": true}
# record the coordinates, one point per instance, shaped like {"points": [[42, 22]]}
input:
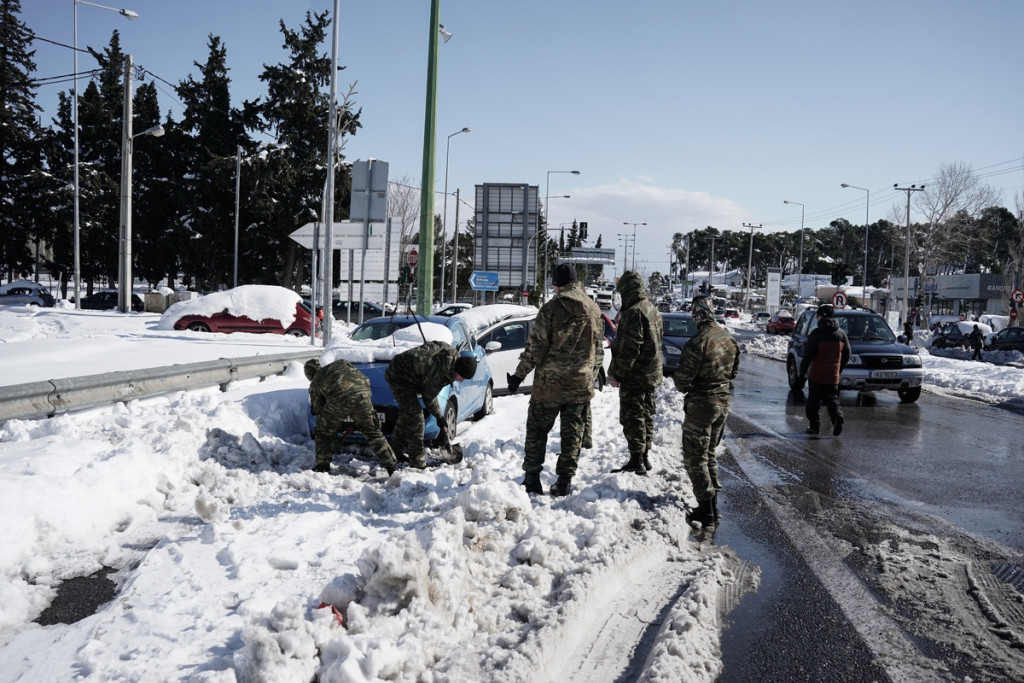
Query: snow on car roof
{"points": [[386, 348], [258, 302], [480, 317]]}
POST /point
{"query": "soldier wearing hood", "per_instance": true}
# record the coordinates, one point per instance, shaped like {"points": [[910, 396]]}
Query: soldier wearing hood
{"points": [[826, 354], [636, 369], [707, 366]]}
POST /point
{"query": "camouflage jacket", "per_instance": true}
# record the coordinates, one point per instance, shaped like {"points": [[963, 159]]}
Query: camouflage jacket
{"points": [[336, 392], [426, 370], [636, 351], [566, 347], [709, 362]]}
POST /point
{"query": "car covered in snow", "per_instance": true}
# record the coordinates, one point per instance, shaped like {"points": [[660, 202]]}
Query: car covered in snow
{"points": [[258, 309], [25, 293]]}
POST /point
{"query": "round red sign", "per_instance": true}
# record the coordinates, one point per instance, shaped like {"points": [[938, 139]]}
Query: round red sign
{"points": [[413, 258], [1013, 314]]}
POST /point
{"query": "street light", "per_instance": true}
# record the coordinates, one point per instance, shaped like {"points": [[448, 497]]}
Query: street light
{"points": [[906, 253], [444, 216], [867, 209], [624, 238], [750, 262], [547, 197], [634, 240], [800, 277], [74, 105]]}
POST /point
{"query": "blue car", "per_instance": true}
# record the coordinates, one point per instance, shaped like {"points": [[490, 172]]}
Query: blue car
{"points": [[459, 401], [678, 329]]}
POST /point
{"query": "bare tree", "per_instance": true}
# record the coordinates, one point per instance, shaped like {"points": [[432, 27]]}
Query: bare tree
{"points": [[404, 207]]}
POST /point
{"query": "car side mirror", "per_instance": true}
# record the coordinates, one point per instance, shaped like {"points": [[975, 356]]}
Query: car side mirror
{"points": [[492, 346], [901, 338]]}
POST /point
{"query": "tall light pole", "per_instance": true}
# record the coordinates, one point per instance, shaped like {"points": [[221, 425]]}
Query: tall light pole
{"points": [[867, 210], [750, 262], [800, 277], [74, 105], [624, 238], [634, 240], [906, 254], [444, 215], [547, 196]]}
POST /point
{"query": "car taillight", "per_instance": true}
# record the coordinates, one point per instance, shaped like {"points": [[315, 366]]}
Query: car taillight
{"points": [[320, 314]]}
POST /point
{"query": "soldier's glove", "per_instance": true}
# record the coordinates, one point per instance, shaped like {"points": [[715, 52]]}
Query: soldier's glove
{"points": [[513, 383], [442, 438]]}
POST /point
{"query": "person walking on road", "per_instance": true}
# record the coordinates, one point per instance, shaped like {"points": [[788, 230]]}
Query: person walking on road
{"points": [[423, 371], [339, 393], [707, 366], [566, 348], [826, 354], [636, 369], [977, 343]]}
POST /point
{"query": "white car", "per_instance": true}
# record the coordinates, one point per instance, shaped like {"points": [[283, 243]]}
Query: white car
{"points": [[502, 330]]}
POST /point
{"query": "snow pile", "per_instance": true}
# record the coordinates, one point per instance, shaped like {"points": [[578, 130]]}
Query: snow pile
{"points": [[257, 302]]}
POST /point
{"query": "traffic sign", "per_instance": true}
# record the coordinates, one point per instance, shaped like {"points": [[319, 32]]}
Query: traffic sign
{"points": [[839, 299], [484, 281], [1013, 314], [1017, 296], [963, 316], [347, 235], [413, 258]]}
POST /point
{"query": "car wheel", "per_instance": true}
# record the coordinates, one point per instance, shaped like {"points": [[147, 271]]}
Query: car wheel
{"points": [[198, 327], [909, 395], [488, 407], [296, 332], [451, 417], [796, 382]]}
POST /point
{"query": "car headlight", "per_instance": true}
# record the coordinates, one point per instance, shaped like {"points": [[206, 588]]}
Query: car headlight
{"points": [[855, 360], [912, 361], [672, 350]]}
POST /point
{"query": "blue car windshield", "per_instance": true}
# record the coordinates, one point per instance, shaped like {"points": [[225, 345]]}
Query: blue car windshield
{"points": [[378, 330]]}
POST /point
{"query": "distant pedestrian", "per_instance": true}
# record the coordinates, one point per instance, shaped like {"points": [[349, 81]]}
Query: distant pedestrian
{"points": [[908, 332], [339, 393], [566, 350], [423, 371], [977, 339], [636, 369], [826, 353], [707, 366]]}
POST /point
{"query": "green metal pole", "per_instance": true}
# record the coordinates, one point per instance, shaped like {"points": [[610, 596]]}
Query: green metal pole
{"points": [[425, 271]]}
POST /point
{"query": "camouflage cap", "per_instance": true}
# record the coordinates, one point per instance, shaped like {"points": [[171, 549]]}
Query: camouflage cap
{"points": [[702, 309], [311, 367]]}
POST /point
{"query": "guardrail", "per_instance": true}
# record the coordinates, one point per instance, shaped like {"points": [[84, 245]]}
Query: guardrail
{"points": [[52, 397]]}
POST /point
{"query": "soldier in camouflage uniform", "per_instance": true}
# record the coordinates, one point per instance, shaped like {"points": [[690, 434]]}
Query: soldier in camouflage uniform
{"points": [[423, 371], [709, 363], [339, 393], [636, 369], [566, 348]]}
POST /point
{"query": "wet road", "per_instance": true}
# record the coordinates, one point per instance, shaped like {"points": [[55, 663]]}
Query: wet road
{"points": [[878, 549]]}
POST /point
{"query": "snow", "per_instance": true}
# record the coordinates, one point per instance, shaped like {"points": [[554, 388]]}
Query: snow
{"points": [[258, 302], [224, 542], [381, 350]]}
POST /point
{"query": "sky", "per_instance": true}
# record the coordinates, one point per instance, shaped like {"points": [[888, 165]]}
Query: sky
{"points": [[677, 114], [226, 544]]}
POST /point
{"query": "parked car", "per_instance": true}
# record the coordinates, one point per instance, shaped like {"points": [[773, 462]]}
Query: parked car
{"points": [[732, 313], [25, 293], [1007, 339], [761, 318], [954, 335], [678, 328], [610, 327], [452, 309], [459, 401], [340, 310], [782, 322], [260, 309], [505, 339], [877, 359], [106, 299]]}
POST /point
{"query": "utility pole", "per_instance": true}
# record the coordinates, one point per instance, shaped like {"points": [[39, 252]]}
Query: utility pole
{"points": [[906, 255], [750, 260]]}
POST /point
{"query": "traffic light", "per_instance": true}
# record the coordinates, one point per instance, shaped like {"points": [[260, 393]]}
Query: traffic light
{"points": [[583, 230]]}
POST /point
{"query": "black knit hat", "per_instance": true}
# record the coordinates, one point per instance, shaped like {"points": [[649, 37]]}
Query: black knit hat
{"points": [[564, 274], [465, 366], [826, 311]]}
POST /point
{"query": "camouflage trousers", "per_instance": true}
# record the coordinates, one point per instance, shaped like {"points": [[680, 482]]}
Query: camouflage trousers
{"points": [[540, 418], [636, 414], [703, 425], [355, 406], [408, 433]]}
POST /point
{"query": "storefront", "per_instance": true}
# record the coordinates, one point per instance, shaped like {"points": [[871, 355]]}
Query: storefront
{"points": [[973, 294]]}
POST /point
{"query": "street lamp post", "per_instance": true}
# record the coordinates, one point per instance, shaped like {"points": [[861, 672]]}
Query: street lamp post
{"points": [[906, 253], [800, 276], [74, 105], [867, 210], [547, 201], [624, 238], [634, 240], [750, 262], [444, 215]]}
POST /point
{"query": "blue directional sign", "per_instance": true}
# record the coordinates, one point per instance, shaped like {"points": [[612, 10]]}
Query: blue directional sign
{"points": [[484, 281]]}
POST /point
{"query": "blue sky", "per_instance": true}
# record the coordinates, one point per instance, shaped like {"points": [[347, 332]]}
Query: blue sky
{"points": [[678, 114]]}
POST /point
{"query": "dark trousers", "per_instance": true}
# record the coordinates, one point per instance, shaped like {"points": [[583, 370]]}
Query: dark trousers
{"points": [[818, 394], [977, 354]]}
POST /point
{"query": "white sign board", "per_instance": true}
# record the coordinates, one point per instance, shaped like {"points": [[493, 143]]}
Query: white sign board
{"points": [[774, 288], [347, 235]]}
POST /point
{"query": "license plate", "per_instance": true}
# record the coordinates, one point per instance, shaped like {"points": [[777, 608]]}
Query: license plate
{"points": [[885, 374]]}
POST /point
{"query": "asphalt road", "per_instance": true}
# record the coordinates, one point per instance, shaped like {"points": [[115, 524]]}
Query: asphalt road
{"points": [[888, 553]]}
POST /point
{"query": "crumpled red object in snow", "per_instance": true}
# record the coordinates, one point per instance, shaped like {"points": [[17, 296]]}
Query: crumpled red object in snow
{"points": [[337, 615]]}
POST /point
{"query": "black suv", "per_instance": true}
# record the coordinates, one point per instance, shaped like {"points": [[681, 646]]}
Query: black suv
{"points": [[877, 359]]}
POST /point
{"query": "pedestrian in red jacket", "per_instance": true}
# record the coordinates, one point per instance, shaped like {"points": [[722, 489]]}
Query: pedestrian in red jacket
{"points": [[825, 355]]}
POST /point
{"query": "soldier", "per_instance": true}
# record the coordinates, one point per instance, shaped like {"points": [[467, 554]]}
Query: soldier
{"points": [[709, 363], [636, 369], [423, 371], [339, 393], [566, 347]]}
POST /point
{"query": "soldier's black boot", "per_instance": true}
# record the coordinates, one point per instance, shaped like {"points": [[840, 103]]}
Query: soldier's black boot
{"points": [[647, 460], [714, 507], [704, 514], [322, 467], [532, 483], [635, 465], [562, 487]]}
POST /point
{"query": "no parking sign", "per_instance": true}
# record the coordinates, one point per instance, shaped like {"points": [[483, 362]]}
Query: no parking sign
{"points": [[839, 299]]}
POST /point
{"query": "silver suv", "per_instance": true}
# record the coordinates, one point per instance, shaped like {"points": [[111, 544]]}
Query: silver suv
{"points": [[877, 359]]}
